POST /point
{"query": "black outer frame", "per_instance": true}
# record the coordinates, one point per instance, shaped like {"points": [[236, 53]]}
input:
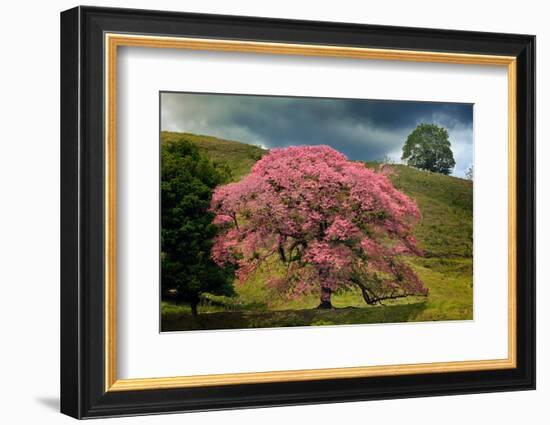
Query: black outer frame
{"points": [[82, 212]]}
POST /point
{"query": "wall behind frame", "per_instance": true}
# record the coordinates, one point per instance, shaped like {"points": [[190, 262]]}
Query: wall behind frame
{"points": [[29, 217]]}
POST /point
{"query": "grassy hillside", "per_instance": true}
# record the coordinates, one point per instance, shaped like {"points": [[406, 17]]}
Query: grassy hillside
{"points": [[446, 204], [444, 234], [238, 156]]}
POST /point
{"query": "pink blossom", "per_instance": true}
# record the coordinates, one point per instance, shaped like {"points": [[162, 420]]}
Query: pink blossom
{"points": [[333, 223]]}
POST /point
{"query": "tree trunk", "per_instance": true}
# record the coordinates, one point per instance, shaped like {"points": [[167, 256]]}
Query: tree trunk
{"points": [[194, 311], [325, 298]]}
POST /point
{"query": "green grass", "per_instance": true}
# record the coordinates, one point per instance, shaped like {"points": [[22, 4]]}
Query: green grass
{"points": [[450, 298], [284, 318], [444, 234], [446, 204]]}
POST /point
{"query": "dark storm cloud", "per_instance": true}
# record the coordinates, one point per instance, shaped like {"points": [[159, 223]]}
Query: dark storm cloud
{"points": [[361, 129]]}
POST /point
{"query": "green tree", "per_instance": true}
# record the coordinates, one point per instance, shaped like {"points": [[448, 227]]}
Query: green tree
{"points": [[187, 182], [428, 148], [470, 173]]}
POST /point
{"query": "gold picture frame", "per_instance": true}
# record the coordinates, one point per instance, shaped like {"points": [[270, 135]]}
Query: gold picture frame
{"points": [[114, 41]]}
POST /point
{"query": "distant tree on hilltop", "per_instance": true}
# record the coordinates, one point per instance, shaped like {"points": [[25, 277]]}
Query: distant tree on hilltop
{"points": [[470, 173], [428, 148]]}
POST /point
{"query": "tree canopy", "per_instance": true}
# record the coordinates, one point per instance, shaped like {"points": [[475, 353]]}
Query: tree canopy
{"points": [[470, 172], [187, 182], [428, 148], [331, 223]]}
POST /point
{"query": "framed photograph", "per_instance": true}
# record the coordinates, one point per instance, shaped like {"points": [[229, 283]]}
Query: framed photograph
{"points": [[261, 212]]}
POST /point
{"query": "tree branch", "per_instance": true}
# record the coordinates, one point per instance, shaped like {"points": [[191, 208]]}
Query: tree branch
{"points": [[370, 298]]}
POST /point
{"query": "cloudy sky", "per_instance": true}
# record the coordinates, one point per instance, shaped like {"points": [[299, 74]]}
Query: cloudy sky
{"points": [[361, 129]]}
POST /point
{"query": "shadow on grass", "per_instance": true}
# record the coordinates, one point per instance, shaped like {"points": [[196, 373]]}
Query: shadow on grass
{"points": [[287, 318]]}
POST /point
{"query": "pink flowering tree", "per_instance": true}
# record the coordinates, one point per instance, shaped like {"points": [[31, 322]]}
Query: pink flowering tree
{"points": [[330, 222]]}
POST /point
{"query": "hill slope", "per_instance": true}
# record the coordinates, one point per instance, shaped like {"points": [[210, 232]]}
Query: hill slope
{"points": [[444, 234], [238, 156], [445, 202]]}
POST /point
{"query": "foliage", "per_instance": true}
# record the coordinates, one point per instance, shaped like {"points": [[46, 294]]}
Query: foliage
{"points": [[187, 181], [332, 223], [470, 173], [428, 148]]}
